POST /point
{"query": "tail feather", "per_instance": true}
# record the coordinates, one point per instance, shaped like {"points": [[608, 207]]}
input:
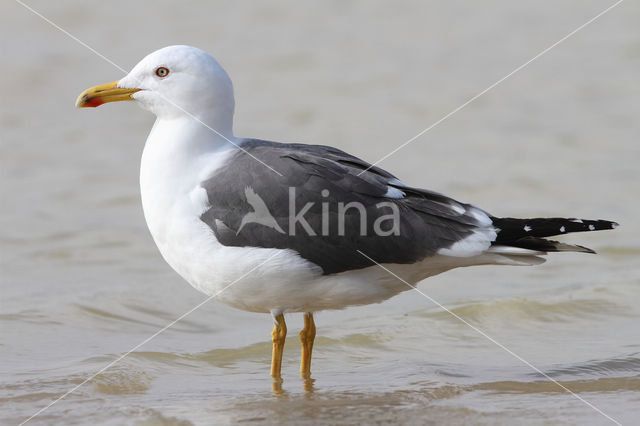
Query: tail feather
{"points": [[530, 233]]}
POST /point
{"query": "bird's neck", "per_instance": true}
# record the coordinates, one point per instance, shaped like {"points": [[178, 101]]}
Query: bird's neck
{"points": [[179, 142]]}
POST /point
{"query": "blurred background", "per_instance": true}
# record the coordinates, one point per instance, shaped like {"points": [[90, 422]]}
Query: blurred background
{"points": [[82, 282]]}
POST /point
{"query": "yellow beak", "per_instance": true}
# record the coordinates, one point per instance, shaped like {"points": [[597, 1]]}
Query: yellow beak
{"points": [[98, 95]]}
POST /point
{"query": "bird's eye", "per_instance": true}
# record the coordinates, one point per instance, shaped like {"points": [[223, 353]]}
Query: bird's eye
{"points": [[162, 72]]}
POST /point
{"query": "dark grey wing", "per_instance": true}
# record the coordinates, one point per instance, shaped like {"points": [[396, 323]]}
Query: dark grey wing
{"points": [[326, 209]]}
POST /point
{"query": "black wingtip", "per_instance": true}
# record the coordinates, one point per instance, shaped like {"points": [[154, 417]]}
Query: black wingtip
{"points": [[512, 229], [584, 249], [532, 233]]}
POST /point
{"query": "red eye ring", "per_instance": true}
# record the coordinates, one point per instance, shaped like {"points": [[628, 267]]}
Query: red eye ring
{"points": [[162, 72]]}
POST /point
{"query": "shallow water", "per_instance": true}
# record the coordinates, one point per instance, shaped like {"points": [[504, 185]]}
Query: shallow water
{"points": [[82, 282]]}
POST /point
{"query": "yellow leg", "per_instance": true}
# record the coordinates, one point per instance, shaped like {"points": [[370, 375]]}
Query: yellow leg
{"points": [[278, 335], [307, 335]]}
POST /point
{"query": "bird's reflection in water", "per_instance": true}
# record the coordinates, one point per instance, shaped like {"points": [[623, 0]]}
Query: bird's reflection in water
{"points": [[307, 386]]}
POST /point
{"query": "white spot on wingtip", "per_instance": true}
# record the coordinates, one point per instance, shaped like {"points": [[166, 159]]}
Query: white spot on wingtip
{"points": [[527, 228], [592, 228], [614, 225], [562, 229]]}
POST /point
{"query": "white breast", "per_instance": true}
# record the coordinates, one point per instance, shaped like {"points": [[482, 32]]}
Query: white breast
{"points": [[170, 173]]}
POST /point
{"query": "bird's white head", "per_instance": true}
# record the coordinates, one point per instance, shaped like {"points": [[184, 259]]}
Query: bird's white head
{"points": [[172, 82]]}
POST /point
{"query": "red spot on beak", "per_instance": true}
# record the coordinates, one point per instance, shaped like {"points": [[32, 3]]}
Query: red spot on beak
{"points": [[94, 102]]}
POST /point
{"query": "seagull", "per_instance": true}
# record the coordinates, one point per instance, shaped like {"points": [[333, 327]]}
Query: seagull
{"points": [[284, 227]]}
